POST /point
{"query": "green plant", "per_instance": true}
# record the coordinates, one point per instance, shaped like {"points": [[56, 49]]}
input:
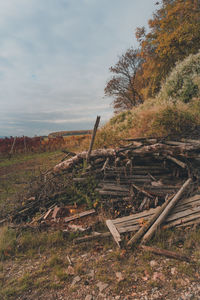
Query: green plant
{"points": [[8, 242], [183, 82]]}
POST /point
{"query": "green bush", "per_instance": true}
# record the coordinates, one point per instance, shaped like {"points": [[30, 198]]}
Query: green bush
{"points": [[183, 83]]}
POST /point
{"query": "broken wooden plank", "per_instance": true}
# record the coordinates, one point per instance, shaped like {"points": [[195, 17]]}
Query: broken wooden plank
{"points": [[112, 193], [105, 164], [93, 236], [114, 232], [177, 161], [167, 253], [47, 214], [142, 191], [166, 211], [55, 212], [80, 215]]}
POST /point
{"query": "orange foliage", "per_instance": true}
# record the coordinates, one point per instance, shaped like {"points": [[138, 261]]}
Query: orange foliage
{"points": [[174, 34]]}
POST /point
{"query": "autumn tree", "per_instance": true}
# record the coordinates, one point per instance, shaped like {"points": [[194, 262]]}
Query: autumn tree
{"points": [[174, 33], [123, 86]]}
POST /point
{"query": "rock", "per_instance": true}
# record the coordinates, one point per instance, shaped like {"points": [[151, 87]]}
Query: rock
{"points": [[88, 297], [173, 271], [153, 263], [75, 280], [119, 276], [76, 227], [158, 275], [91, 274], [102, 286], [70, 270]]}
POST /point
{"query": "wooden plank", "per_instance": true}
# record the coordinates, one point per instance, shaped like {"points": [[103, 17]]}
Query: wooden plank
{"points": [[114, 232], [93, 236], [112, 193], [55, 212], [135, 216], [188, 200], [187, 221], [47, 214], [80, 215], [192, 205], [172, 219], [148, 213], [184, 220], [181, 214], [177, 161]]}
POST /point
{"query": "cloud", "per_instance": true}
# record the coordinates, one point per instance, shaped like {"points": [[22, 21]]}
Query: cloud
{"points": [[55, 56]]}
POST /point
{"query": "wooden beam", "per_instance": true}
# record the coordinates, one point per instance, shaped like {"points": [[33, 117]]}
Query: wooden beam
{"points": [[166, 253], [166, 212], [177, 161], [80, 215]]}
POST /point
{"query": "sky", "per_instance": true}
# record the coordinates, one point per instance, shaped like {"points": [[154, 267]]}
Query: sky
{"points": [[55, 57]]}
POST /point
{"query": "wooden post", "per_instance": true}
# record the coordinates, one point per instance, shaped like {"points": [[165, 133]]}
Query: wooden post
{"points": [[165, 213], [24, 144], [93, 137], [12, 147]]}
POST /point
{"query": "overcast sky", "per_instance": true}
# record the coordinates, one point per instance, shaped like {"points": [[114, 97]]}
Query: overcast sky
{"points": [[55, 57]]}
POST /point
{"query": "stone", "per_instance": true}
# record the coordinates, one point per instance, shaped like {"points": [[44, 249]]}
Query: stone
{"points": [[102, 286], [119, 276], [75, 280], [158, 275], [91, 274], [70, 270], [153, 263], [88, 297], [173, 271]]}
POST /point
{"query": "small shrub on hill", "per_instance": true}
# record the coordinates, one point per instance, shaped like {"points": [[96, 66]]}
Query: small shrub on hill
{"points": [[183, 83]]}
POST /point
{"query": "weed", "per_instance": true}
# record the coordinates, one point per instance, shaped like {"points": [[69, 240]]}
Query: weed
{"points": [[187, 270], [61, 274], [79, 267], [8, 242], [54, 261]]}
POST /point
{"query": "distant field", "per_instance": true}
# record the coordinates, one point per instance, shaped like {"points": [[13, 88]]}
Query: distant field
{"points": [[16, 145], [69, 133]]}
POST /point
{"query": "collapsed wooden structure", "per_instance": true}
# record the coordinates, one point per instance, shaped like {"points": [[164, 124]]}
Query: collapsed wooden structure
{"points": [[136, 182]]}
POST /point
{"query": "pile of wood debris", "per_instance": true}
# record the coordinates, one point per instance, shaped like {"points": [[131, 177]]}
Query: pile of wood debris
{"points": [[137, 183]]}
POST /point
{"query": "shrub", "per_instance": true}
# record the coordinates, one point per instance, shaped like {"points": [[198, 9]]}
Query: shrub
{"points": [[183, 83]]}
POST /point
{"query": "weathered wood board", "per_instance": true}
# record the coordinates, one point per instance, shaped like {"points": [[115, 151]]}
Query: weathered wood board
{"points": [[186, 212]]}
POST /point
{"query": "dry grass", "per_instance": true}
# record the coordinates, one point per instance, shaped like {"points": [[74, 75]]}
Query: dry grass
{"points": [[154, 118]]}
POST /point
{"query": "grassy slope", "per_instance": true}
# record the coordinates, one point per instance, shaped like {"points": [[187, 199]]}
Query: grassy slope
{"points": [[153, 118]]}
